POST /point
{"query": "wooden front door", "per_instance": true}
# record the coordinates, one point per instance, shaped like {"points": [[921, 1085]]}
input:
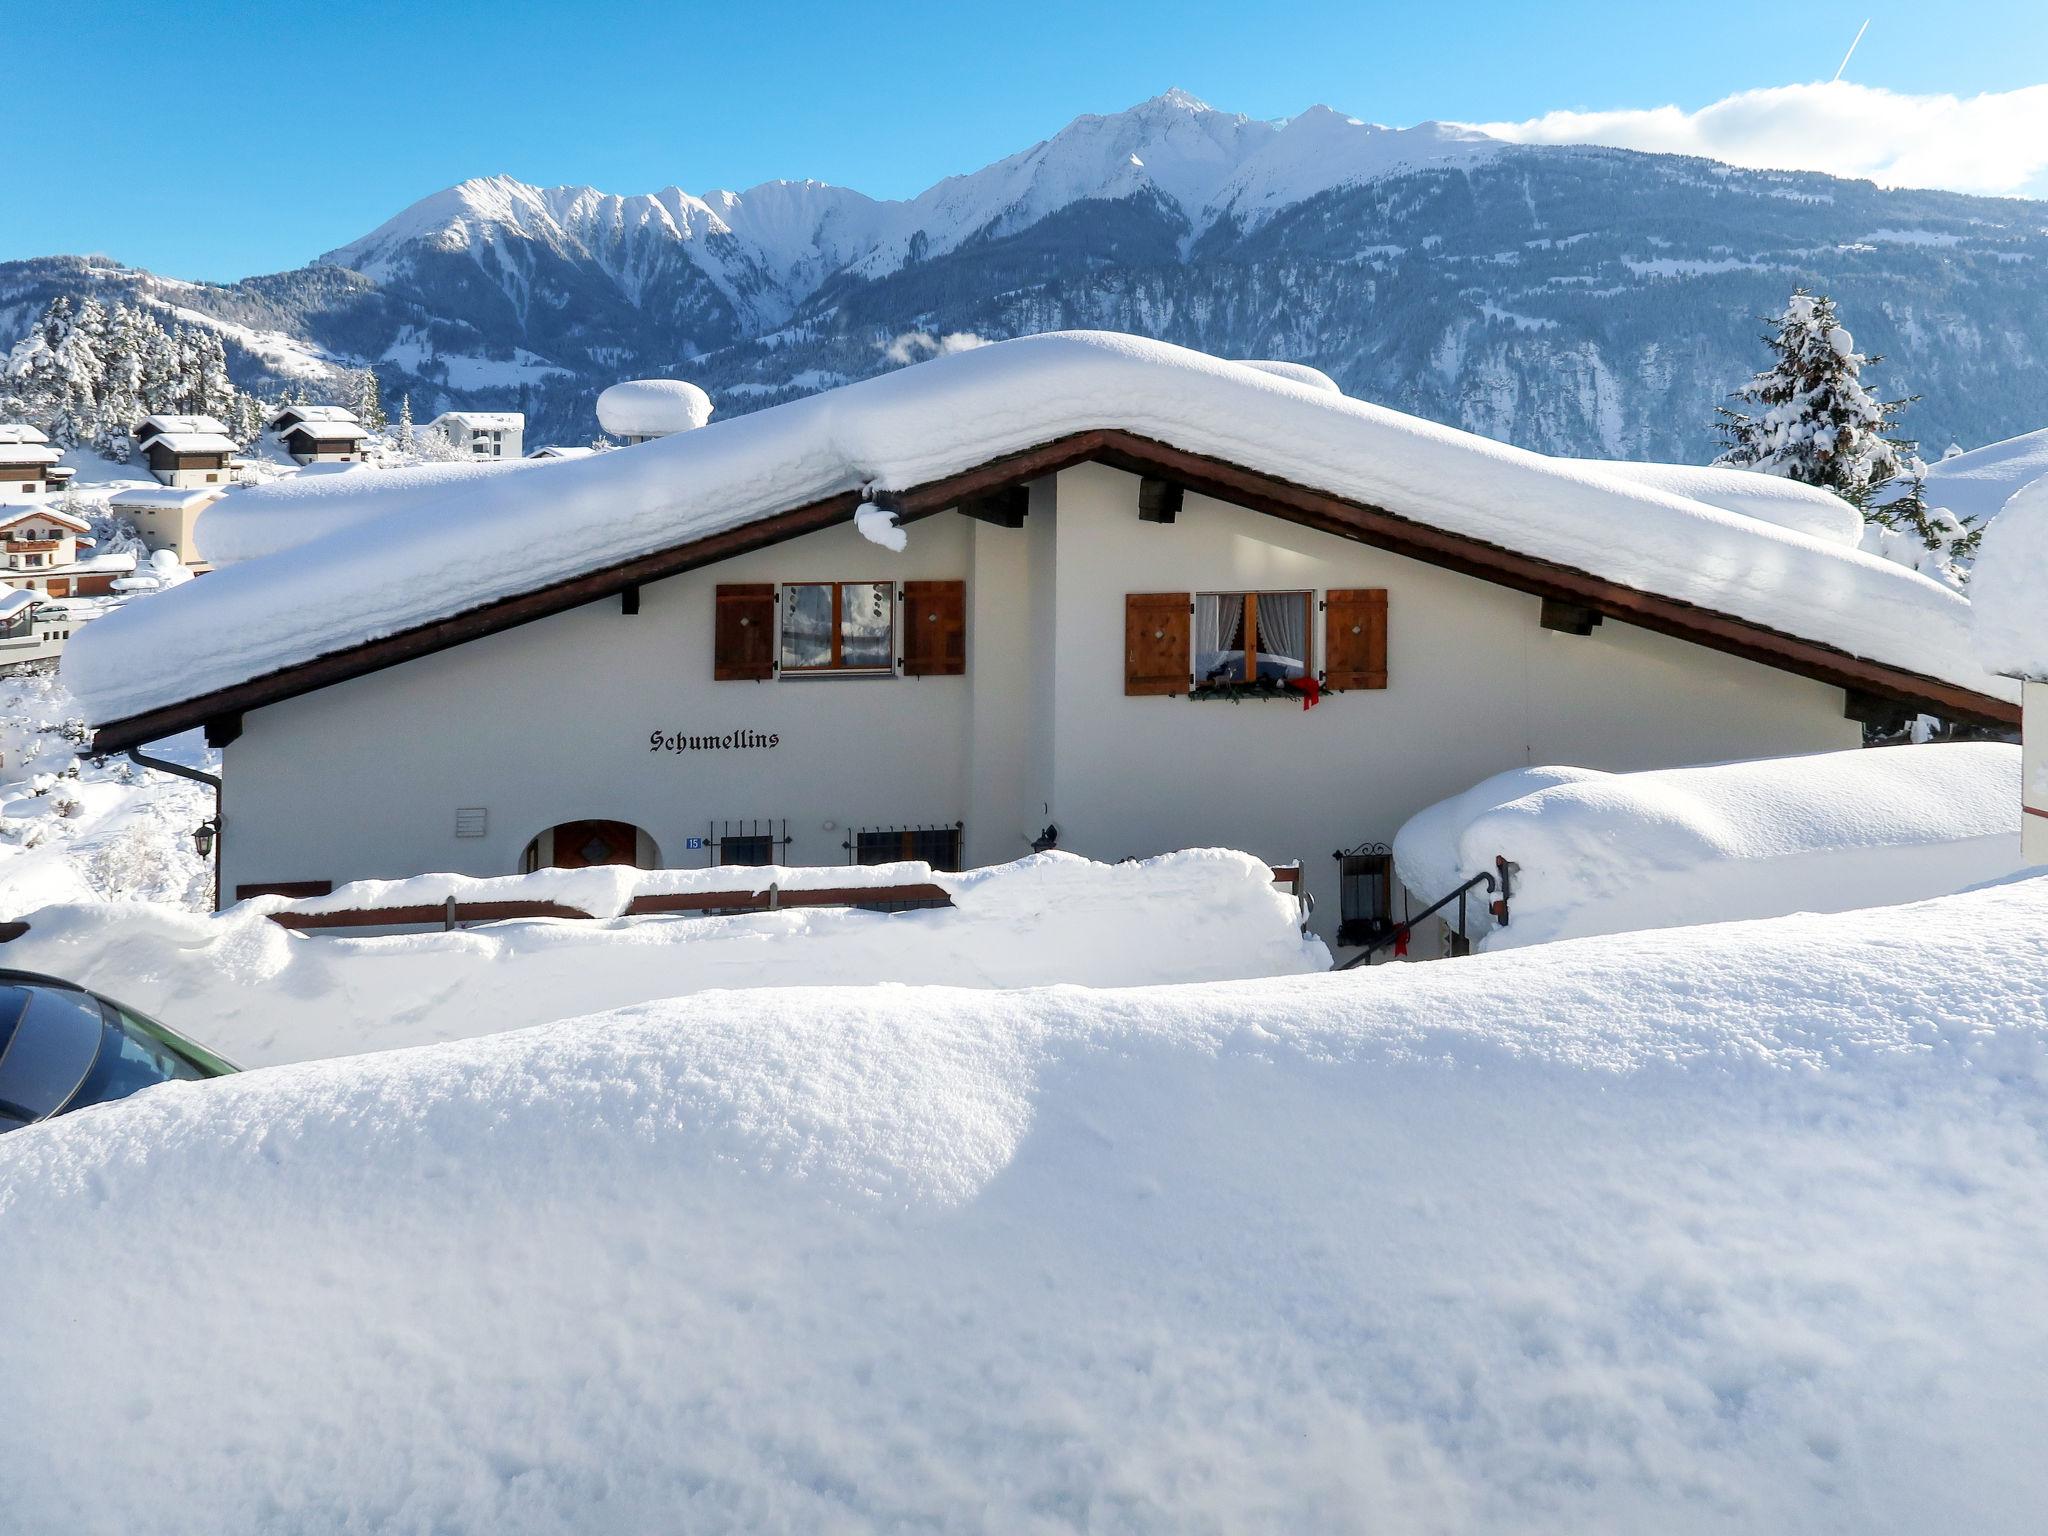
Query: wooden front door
{"points": [[582, 844]]}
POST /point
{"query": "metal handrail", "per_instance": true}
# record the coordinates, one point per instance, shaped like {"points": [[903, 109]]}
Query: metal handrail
{"points": [[1406, 928]]}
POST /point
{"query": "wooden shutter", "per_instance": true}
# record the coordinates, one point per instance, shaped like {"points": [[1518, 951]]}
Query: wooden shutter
{"points": [[744, 646], [1355, 638], [1156, 656], [934, 628]]}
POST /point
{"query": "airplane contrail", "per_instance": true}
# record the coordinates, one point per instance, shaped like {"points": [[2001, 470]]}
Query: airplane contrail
{"points": [[1852, 48]]}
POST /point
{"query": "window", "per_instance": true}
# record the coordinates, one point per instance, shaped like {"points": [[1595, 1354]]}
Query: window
{"points": [[1250, 637], [750, 848], [839, 626], [936, 846], [1365, 893]]}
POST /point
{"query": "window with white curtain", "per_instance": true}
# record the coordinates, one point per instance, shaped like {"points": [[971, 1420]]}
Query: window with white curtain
{"points": [[1250, 637]]}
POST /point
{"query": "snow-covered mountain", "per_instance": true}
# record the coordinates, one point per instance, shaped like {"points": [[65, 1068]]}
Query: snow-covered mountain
{"points": [[1568, 298]]}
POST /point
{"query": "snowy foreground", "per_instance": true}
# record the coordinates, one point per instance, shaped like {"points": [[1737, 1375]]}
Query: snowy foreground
{"points": [[1715, 1229]]}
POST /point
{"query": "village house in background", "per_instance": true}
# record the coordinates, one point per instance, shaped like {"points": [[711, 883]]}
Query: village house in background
{"points": [[320, 434], [641, 410], [186, 450], [489, 435], [164, 517], [555, 451], [28, 464], [1128, 599], [46, 550]]}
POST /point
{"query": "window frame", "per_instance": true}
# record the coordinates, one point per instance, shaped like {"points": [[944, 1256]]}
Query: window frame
{"points": [[837, 667], [1248, 615], [906, 851]]}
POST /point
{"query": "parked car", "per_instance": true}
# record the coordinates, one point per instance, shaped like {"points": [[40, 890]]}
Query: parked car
{"points": [[63, 1047]]}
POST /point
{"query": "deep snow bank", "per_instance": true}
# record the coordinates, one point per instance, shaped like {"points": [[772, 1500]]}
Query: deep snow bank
{"points": [[1826, 832], [1732, 1229], [2009, 587], [259, 995]]}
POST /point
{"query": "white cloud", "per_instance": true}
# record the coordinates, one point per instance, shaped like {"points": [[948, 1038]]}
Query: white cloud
{"points": [[1994, 143], [912, 346]]}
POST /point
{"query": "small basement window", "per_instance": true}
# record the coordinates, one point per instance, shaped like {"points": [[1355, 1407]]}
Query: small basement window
{"points": [[748, 848], [1365, 894], [839, 627], [1245, 638], [936, 846]]}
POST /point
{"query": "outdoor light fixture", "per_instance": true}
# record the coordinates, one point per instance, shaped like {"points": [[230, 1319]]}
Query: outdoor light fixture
{"points": [[203, 836]]}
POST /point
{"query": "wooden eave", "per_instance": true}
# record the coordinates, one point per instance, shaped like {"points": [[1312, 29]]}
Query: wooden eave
{"points": [[1217, 478]]}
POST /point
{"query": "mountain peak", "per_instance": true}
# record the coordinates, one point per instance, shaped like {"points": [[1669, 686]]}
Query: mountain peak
{"points": [[1185, 101]]}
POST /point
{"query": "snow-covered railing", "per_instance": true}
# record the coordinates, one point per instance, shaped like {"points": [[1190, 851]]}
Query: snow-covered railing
{"points": [[453, 901]]}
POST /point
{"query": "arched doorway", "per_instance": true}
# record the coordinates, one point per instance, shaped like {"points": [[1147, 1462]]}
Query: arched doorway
{"points": [[587, 844]]}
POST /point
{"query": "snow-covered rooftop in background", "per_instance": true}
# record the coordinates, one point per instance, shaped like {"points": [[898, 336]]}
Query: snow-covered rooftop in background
{"points": [[12, 432], [14, 599], [299, 509], [554, 451], [1736, 1229], [153, 426], [13, 512], [195, 442], [327, 429], [652, 408], [160, 497], [482, 421], [442, 548], [2009, 587], [1825, 832], [26, 451], [1978, 484], [317, 413]]}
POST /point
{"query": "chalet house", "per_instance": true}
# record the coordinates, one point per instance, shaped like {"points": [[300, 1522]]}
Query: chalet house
{"points": [[28, 464], [1082, 591], [483, 434], [324, 442], [44, 550], [186, 450], [293, 415], [165, 517]]}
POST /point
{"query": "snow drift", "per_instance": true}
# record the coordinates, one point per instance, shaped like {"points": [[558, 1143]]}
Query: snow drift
{"points": [[1611, 852], [404, 555], [245, 987], [2009, 587], [1730, 1229]]}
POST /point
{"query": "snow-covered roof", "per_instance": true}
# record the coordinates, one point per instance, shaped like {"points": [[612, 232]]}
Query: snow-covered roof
{"points": [[315, 413], [482, 421], [444, 547], [652, 408], [14, 599], [195, 442], [16, 512], [155, 426], [27, 453], [2009, 587], [556, 451], [1978, 484], [1788, 503], [165, 497], [326, 429], [1300, 373], [21, 432]]}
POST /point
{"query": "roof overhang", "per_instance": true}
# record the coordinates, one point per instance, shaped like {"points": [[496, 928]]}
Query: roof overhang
{"points": [[1253, 489]]}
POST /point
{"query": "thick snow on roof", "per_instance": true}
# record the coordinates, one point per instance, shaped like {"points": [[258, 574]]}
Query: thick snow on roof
{"points": [[1826, 832], [555, 451], [326, 429], [440, 550], [14, 599], [1978, 484], [195, 442], [316, 413], [481, 420], [174, 497], [652, 408], [1737, 1228], [28, 453], [14, 512], [1790, 504], [21, 432], [2009, 587], [153, 425], [1300, 373], [299, 509]]}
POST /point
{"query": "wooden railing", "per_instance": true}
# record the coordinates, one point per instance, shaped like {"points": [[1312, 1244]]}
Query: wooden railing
{"points": [[452, 913]]}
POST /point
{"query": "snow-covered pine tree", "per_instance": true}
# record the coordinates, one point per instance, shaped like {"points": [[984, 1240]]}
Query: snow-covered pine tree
{"points": [[403, 435], [369, 405], [162, 381], [122, 359], [1816, 421]]}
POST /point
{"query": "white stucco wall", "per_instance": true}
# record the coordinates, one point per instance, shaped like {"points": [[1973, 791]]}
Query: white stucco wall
{"points": [[551, 722], [2034, 773]]}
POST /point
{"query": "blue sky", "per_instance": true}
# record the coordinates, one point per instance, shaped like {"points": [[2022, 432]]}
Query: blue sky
{"points": [[214, 140]]}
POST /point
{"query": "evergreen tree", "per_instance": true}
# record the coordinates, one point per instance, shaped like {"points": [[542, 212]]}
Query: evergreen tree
{"points": [[404, 433], [369, 406], [1817, 423], [161, 380]]}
